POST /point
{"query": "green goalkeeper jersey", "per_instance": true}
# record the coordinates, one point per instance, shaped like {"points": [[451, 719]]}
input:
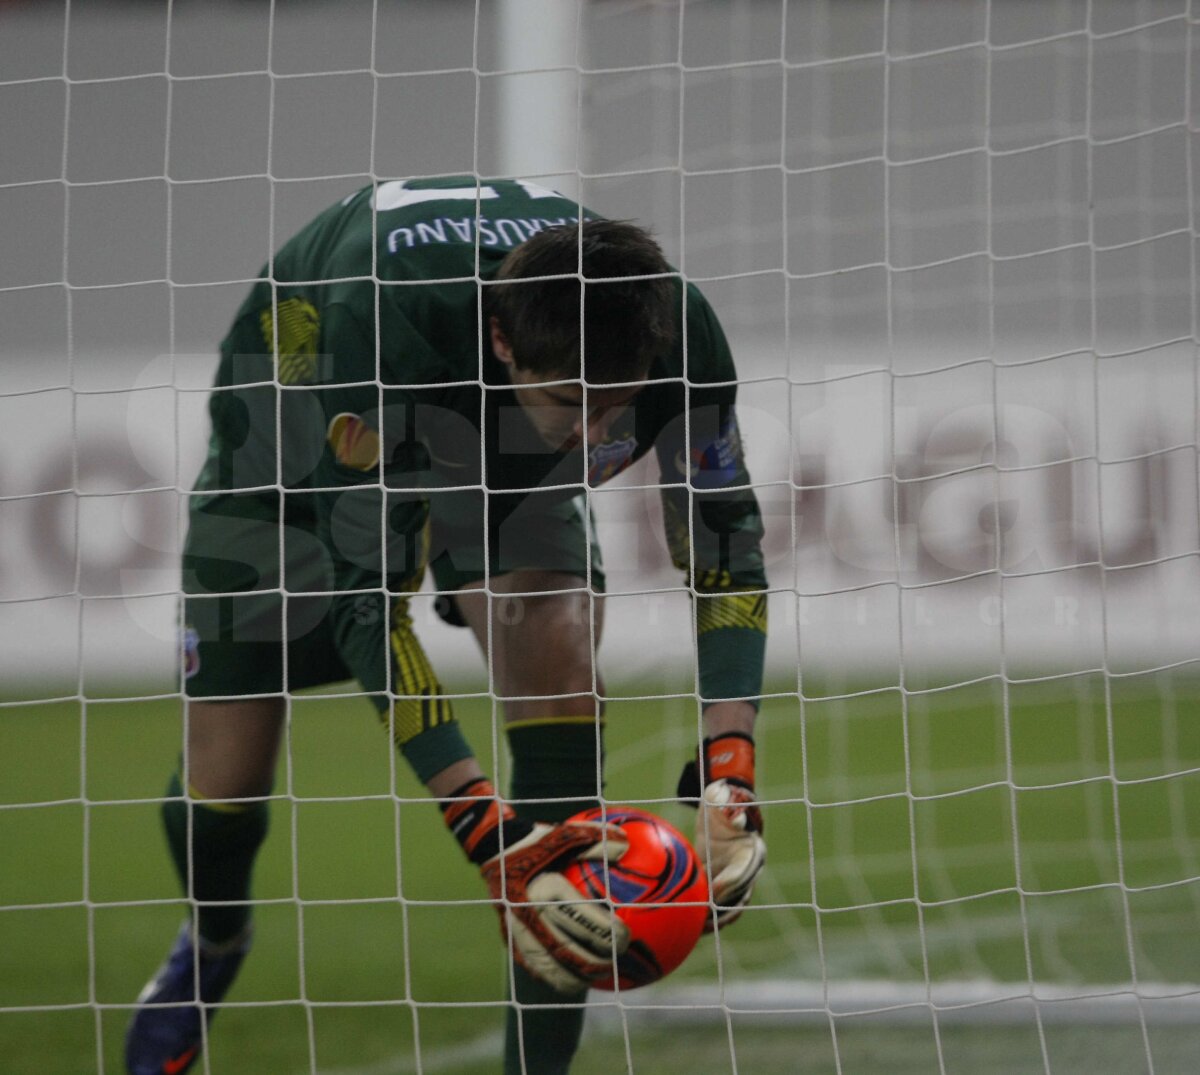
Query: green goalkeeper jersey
{"points": [[371, 322]]}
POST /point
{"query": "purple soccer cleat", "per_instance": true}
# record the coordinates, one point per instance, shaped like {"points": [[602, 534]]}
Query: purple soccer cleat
{"points": [[167, 1030]]}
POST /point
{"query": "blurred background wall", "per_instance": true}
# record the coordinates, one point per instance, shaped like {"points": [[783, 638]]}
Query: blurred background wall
{"points": [[955, 256]]}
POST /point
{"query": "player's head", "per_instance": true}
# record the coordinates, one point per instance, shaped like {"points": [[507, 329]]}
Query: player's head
{"points": [[607, 278]]}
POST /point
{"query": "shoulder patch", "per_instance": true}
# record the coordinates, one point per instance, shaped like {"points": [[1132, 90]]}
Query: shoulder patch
{"points": [[295, 349]]}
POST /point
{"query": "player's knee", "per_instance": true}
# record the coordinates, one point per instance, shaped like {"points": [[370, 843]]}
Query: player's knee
{"points": [[563, 642], [554, 677], [232, 747]]}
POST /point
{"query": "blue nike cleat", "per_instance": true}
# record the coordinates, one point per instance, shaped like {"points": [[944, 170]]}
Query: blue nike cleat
{"points": [[167, 1030]]}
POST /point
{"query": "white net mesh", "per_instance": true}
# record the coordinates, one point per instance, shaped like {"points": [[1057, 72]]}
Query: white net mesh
{"points": [[954, 249]]}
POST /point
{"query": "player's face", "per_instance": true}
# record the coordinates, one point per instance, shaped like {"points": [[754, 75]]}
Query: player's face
{"points": [[563, 413], [557, 409]]}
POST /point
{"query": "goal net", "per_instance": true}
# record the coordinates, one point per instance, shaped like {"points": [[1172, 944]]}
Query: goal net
{"points": [[954, 248]]}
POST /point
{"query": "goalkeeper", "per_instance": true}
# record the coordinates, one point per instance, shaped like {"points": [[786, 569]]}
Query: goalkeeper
{"points": [[407, 389]]}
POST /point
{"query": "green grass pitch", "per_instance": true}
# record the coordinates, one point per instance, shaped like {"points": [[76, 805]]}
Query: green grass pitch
{"points": [[987, 832]]}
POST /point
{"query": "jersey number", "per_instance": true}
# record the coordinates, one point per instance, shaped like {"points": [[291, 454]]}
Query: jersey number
{"points": [[395, 195]]}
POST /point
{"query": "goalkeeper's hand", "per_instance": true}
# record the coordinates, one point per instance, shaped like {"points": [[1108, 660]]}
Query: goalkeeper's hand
{"points": [[557, 935], [729, 824]]}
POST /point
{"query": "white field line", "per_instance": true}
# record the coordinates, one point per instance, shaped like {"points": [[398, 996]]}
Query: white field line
{"points": [[978, 1001], [786, 1003]]}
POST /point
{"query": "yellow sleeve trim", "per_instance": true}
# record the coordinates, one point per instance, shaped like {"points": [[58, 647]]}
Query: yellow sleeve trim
{"points": [[731, 610], [423, 704], [299, 333]]}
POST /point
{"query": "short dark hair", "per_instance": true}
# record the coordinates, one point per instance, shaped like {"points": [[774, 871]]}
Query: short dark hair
{"points": [[630, 302]]}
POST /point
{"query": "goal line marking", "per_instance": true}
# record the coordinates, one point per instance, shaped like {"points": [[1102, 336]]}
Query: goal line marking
{"points": [[782, 1003], [979, 1001]]}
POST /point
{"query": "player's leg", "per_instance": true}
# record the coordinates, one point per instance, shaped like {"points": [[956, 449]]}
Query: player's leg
{"points": [[232, 746], [216, 815], [229, 754], [538, 630], [532, 600], [244, 648]]}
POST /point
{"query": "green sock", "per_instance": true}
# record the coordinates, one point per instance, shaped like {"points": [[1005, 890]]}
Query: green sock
{"points": [[224, 842], [549, 758], [556, 757], [550, 1034]]}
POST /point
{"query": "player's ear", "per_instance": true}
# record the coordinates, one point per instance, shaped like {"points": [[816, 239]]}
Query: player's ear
{"points": [[500, 345]]}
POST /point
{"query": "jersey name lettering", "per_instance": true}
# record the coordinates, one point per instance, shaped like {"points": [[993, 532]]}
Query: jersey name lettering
{"points": [[505, 231]]}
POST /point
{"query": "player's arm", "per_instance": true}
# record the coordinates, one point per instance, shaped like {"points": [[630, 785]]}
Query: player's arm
{"points": [[374, 513], [373, 510], [714, 532]]}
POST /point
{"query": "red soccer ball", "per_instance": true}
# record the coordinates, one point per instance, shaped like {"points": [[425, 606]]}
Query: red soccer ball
{"points": [[657, 888]]}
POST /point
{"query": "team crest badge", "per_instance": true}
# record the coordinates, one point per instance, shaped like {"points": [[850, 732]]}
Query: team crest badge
{"points": [[610, 458]]}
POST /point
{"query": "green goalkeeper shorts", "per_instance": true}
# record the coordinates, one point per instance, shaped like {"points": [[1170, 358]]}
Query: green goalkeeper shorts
{"points": [[258, 582]]}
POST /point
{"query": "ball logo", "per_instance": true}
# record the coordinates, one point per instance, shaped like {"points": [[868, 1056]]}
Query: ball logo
{"points": [[671, 874], [657, 888]]}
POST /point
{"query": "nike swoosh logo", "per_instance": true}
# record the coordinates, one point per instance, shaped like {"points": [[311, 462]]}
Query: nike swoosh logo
{"points": [[174, 1067]]}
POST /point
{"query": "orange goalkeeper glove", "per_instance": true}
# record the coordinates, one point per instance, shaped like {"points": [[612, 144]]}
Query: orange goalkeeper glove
{"points": [[557, 935], [729, 828]]}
